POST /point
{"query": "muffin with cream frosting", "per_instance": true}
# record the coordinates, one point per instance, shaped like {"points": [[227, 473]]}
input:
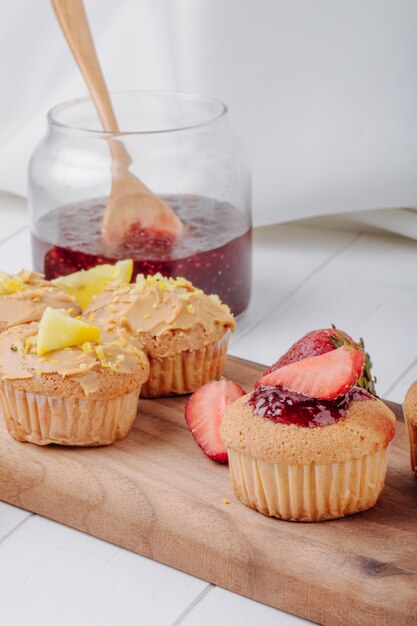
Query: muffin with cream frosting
{"points": [[410, 413], [60, 384], [307, 444], [25, 296], [184, 332]]}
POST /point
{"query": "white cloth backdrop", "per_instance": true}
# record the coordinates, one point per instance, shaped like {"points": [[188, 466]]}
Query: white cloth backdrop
{"points": [[322, 93]]}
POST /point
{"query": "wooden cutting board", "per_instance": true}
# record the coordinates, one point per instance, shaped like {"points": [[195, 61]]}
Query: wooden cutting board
{"points": [[156, 494]]}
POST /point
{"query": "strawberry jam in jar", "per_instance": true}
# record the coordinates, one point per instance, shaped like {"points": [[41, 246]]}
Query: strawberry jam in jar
{"points": [[181, 147]]}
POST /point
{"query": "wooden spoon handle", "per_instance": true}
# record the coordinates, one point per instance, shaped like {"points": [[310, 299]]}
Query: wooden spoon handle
{"points": [[130, 200], [73, 20]]}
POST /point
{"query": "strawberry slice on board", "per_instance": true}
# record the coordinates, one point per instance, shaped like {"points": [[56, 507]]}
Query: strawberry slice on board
{"points": [[324, 377], [323, 340], [204, 412]]}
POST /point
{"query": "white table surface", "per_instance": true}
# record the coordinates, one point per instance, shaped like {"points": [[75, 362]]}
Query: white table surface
{"points": [[304, 278]]}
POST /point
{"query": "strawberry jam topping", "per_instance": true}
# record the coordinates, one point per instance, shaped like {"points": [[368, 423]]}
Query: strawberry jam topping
{"points": [[288, 407], [213, 251]]}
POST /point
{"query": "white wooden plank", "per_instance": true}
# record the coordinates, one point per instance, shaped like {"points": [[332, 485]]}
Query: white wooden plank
{"points": [[15, 252], [10, 517], [13, 214], [397, 390], [283, 258], [369, 290], [51, 574], [229, 609]]}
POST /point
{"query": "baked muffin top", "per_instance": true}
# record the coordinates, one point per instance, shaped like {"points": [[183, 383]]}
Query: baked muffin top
{"points": [[410, 404], [368, 426], [25, 296], [166, 315], [92, 368]]}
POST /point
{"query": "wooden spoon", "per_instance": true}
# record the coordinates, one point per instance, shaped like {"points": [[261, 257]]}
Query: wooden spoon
{"points": [[130, 201]]}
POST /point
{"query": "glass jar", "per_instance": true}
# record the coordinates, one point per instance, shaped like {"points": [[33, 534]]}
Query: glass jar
{"points": [[180, 145]]}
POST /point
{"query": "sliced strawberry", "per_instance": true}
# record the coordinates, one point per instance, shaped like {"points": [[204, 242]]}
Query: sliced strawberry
{"points": [[314, 343], [204, 412], [324, 340], [323, 377]]}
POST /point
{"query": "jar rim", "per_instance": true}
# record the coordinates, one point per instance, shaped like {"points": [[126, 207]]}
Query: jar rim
{"points": [[52, 115]]}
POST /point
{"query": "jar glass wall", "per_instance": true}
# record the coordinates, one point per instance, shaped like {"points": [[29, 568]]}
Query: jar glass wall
{"points": [[181, 147]]}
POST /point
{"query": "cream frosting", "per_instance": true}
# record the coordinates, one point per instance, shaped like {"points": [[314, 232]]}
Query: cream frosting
{"points": [[155, 306], [25, 296], [19, 360]]}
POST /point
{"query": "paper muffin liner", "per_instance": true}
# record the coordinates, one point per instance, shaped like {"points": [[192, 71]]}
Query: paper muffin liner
{"points": [[412, 438], [308, 493], [44, 419], [186, 371]]}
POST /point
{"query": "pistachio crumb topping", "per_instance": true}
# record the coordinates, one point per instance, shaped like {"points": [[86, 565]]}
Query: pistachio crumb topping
{"points": [[30, 344], [101, 355], [83, 366], [139, 354], [146, 316], [215, 299], [122, 290], [190, 308], [91, 317], [10, 283], [164, 283]]}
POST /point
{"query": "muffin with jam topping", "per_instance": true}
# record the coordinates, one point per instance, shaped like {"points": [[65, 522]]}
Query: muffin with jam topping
{"points": [[60, 384], [25, 296], [184, 332], [308, 444]]}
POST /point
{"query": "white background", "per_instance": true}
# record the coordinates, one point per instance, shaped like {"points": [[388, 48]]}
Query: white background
{"points": [[322, 93]]}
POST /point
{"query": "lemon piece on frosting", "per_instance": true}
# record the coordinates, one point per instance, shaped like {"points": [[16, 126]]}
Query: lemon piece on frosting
{"points": [[88, 283], [58, 330]]}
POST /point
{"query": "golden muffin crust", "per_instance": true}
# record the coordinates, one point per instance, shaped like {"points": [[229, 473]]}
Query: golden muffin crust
{"points": [[106, 384], [410, 405], [172, 341], [367, 428]]}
